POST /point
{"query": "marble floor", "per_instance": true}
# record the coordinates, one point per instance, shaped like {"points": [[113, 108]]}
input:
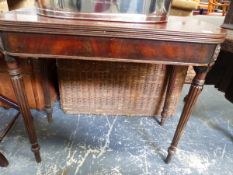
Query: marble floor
{"points": [[110, 145]]}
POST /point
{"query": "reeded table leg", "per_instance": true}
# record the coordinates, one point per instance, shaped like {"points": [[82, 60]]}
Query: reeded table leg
{"points": [[18, 85], [170, 88], [47, 96], [195, 90]]}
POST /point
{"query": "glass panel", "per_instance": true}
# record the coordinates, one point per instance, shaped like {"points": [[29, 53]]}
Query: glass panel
{"points": [[143, 7]]}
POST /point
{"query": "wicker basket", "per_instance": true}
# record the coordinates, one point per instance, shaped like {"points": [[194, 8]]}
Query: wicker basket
{"points": [[190, 75], [115, 88]]}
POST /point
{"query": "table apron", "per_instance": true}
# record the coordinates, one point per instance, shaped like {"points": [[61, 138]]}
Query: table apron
{"points": [[107, 49]]}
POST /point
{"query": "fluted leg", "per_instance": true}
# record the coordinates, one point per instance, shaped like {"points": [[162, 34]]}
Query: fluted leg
{"points": [[170, 88], [18, 86], [195, 90], [47, 97]]}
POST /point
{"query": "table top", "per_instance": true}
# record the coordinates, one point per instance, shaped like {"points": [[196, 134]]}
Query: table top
{"points": [[227, 45], [180, 41], [177, 28]]}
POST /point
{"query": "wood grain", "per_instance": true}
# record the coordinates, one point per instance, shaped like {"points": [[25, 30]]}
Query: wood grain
{"points": [[32, 81]]}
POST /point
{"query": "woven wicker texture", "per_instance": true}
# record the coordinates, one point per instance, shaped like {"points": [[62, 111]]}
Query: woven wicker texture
{"points": [[115, 88], [190, 75]]}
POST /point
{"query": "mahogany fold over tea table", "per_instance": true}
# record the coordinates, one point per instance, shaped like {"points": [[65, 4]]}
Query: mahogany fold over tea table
{"points": [[179, 42]]}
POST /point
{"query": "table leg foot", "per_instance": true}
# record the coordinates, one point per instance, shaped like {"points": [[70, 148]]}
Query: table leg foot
{"points": [[195, 90], [162, 121], [20, 94], [171, 152], [36, 151], [49, 113], [164, 117], [185, 98]]}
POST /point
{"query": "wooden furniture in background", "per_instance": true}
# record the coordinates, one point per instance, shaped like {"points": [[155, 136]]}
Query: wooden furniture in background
{"points": [[24, 34], [36, 83], [9, 126], [214, 4], [3, 161]]}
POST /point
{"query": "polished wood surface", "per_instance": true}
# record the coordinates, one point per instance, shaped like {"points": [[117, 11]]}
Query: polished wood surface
{"points": [[106, 40], [20, 93], [194, 92], [180, 42], [107, 49], [190, 100], [177, 28]]}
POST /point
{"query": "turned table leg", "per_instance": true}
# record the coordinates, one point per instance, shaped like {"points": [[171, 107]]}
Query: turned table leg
{"points": [[195, 90], [47, 97], [20, 94], [170, 87]]}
